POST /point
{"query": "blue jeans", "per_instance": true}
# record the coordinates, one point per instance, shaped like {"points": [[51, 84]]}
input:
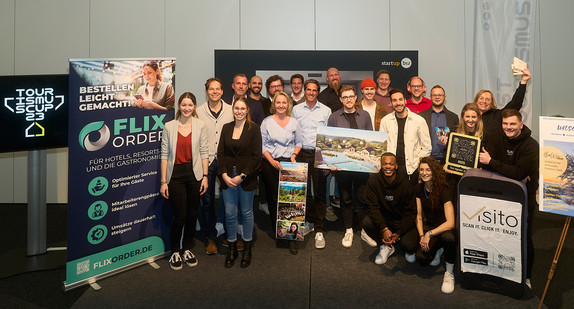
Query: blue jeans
{"points": [[234, 199]]}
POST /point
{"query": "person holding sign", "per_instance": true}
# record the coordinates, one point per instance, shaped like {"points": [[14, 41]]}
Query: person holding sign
{"points": [[515, 154], [183, 170], [281, 142], [349, 182], [239, 155], [155, 94], [435, 221]]}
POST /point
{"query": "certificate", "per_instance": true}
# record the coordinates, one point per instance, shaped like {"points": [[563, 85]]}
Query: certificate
{"points": [[462, 153]]}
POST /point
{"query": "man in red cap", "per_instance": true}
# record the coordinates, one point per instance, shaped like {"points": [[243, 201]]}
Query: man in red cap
{"points": [[368, 103]]}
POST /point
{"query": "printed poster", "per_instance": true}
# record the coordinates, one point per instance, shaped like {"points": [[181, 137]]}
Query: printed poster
{"points": [[557, 165], [490, 237], [291, 201], [350, 149], [116, 216]]}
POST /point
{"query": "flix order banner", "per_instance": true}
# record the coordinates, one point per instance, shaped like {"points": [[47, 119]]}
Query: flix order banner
{"points": [[116, 216]]}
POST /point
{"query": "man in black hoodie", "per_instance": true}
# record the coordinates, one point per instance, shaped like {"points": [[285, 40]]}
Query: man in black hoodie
{"points": [[515, 154], [390, 200]]}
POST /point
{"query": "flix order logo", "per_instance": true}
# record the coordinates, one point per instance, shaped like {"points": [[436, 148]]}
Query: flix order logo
{"points": [[34, 103]]}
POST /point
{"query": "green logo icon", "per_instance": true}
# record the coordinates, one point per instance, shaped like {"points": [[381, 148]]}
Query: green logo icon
{"points": [[103, 133], [98, 186], [97, 234], [98, 210]]}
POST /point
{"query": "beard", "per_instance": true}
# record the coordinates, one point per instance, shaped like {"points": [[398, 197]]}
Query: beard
{"points": [[336, 85]]}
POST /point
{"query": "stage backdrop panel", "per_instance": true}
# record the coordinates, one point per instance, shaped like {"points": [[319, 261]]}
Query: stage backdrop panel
{"points": [[116, 216]]}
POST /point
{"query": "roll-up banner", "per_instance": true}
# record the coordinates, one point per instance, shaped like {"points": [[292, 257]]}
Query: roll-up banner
{"points": [[503, 30], [116, 216]]}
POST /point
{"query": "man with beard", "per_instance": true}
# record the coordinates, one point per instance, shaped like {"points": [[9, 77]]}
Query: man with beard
{"points": [[382, 95], [297, 95], [440, 122], [408, 136], [255, 100], [273, 84], [368, 103], [391, 204], [515, 154], [330, 95], [417, 102]]}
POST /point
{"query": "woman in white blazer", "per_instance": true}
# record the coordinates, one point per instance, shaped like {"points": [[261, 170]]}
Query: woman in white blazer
{"points": [[184, 165]]}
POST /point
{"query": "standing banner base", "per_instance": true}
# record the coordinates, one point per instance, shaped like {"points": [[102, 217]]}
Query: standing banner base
{"points": [[492, 220]]}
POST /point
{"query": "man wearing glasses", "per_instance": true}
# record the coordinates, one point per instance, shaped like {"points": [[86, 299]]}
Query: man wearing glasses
{"points": [[273, 84], [417, 102], [349, 182], [440, 122]]}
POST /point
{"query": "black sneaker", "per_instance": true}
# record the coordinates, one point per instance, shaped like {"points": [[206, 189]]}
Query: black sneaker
{"points": [[189, 258], [175, 261]]}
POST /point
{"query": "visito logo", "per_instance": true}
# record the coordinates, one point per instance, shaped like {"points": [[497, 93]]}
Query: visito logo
{"points": [[88, 130]]}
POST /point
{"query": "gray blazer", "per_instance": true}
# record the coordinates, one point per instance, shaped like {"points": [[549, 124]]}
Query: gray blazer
{"points": [[199, 146]]}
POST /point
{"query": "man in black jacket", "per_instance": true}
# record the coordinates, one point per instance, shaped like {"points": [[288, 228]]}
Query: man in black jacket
{"points": [[390, 199], [515, 154], [440, 121]]}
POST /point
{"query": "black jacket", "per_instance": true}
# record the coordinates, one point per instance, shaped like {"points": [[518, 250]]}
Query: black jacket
{"points": [[247, 158], [391, 205], [492, 119]]}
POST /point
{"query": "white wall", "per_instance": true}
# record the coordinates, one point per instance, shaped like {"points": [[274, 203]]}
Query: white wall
{"points": [[38, 37]]}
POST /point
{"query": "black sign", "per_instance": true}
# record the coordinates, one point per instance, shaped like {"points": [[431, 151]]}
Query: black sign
{"points": [[462, 153]]}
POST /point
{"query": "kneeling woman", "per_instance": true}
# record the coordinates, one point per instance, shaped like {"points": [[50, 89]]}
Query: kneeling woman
{"points": [[435, 220], [239, 155], [184, 163]]}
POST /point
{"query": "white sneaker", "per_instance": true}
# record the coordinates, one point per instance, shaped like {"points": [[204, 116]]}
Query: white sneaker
{"points": [[308, 227], [190, 259], [528, 283], [348, 239], [264, 208], [175, 261], [437, 256], [330, 214], [365, 237], [319, 240], [447, 283], [411, 258], [219, 228], [384, 254]]}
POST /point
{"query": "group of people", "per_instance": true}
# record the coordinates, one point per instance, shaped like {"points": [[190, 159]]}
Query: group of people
{"points": [[410, 202]]}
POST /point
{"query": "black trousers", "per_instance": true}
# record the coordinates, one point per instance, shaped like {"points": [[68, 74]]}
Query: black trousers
{"points": [[316, 203], [446, 240], [350, 183], [184, 199], [407, 242]]}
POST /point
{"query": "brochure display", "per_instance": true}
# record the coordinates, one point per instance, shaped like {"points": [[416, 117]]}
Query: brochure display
{"points": [[492, 233], [350, 149], [116, 217], [291, 202]]}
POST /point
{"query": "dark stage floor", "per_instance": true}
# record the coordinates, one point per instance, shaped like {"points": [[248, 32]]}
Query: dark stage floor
{"points": [[334, 277]]}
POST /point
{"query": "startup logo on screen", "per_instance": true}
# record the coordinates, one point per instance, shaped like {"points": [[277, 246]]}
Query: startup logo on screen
{"points": [[34, 104]]}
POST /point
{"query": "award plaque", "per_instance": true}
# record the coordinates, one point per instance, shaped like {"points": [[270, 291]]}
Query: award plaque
{"points": [[462, 153]]}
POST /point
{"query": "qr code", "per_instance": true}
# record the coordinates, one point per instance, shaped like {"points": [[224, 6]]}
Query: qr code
{"points": [[83, 267], [506, 262]]}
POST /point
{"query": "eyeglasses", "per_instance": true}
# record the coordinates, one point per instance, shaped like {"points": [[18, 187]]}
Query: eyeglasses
{"points": [[437, 95], [349, 98]]}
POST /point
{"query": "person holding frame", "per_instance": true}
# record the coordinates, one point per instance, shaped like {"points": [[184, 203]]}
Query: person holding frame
{"points": [[183, 170], [281, 142], [239, 154]]}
